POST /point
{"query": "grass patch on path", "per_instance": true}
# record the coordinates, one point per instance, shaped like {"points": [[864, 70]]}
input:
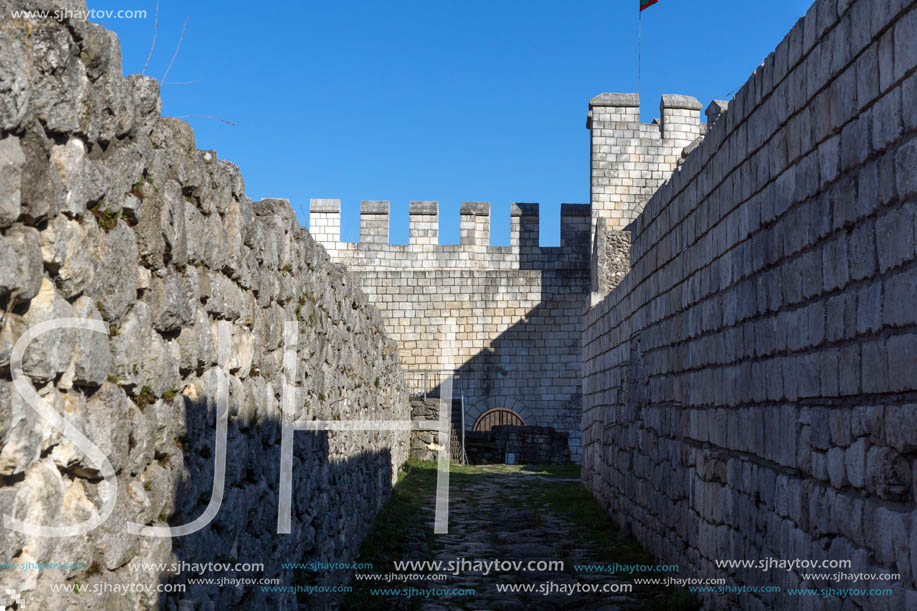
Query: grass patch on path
{"points": [[400, 531], [401, 517]]}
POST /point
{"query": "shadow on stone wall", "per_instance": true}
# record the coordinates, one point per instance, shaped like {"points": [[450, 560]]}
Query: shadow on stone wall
{"points": [[330, 500], [534, 367]]}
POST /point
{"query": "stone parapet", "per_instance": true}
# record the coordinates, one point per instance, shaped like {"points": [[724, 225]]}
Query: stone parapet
{"points": [[474, 251]]}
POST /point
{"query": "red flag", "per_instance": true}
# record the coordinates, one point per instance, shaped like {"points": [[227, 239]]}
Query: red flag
{"points": [[645, 4]]}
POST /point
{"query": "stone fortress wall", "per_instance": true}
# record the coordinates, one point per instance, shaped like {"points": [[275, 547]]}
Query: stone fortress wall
{"points": [[108, 211], [749, 386], [516, 309]]}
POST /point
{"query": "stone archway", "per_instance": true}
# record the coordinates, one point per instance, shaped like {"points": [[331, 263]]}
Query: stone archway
{"points": [[473, 411], [496, 417]]}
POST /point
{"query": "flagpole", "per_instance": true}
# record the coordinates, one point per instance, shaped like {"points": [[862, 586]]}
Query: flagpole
{"points": [[639, 48]]}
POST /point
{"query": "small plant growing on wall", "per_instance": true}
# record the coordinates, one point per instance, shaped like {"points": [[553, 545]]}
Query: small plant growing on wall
{"points": [[146, 397]]}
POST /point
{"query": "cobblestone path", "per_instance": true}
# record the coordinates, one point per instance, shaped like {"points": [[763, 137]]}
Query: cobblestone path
{"points": [[509, 513]]}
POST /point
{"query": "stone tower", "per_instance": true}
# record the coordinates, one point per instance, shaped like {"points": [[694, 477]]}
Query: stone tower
{"points": [[628, 161]]}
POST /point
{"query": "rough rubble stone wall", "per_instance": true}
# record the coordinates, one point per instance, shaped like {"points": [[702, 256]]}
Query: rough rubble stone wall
{"points": [[108, 211], [516, 310], [538, 445], [610, 259], [749, 386], [425, 443], [531, 445]]}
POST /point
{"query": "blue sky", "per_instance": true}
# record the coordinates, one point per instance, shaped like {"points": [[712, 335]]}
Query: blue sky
{"points": [[438, 100]]}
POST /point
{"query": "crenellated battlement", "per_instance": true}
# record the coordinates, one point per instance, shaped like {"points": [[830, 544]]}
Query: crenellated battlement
{"points": [[679, 115], [629, 160], [474, 249]]}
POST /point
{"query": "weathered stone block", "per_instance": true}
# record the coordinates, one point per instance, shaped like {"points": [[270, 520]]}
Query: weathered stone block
{"points": [[899, 427], [888, 474], [875, 366], [834, 263], [12, 161], [91, 356], [895, 237], [168, 306], [862, 251], [837, 471], [869, 420], [819, 463], [905, 44], [909, 111], [886, 127], [855, 462], [25, 283], [81, 181], [104, 420], [867, 67], [9, 272], [839, 424], [48, 353], [20, 429], [905, 162], [900, 293], [869, 308], [67, 247], [855, 140], [902, 362]]}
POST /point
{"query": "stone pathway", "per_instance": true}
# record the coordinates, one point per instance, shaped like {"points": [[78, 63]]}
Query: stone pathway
{"points": [[497, 516], [502, 512]]}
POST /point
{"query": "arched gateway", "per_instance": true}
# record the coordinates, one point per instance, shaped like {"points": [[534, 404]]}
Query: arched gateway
{"points": [[496, 417]]}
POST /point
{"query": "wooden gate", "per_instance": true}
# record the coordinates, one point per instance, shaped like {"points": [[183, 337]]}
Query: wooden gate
{"points": [[496, 417]]}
